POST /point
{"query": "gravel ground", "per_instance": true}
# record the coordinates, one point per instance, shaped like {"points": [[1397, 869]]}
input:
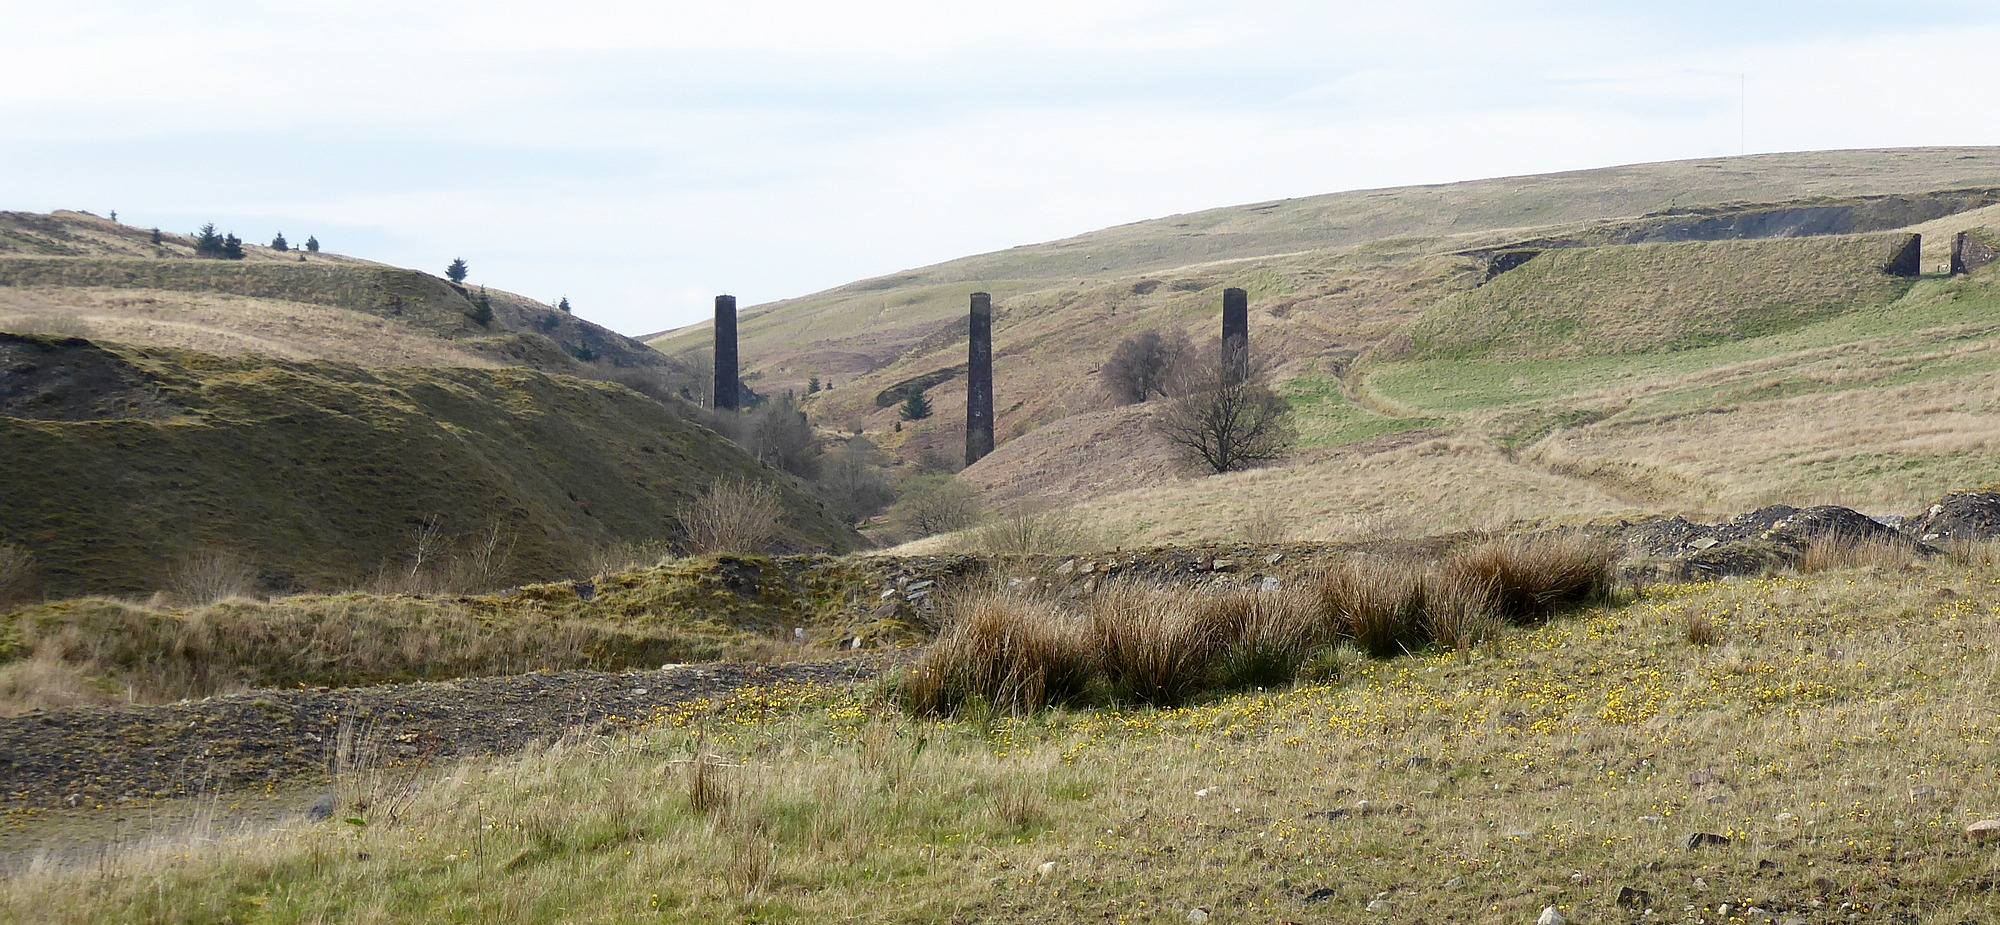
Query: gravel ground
{"points": [[101, 756]]}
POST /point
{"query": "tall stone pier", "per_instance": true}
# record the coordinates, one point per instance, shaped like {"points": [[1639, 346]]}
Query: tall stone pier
{"points": [[979, 380], [725, 353], [1236, 332], [1908, 260], [1971, 251]]}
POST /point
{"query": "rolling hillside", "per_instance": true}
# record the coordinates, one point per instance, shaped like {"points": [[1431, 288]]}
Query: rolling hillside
{"points": [[317, 421], [125, 464], [1440, 386]]}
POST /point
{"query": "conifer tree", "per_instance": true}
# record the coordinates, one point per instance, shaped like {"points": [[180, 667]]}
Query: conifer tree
{"points": [[312, 244], [280, 244], [916, 407], [456, 272]]}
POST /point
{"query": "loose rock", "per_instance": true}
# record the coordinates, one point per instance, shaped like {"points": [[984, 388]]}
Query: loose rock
{"points": [[1551, 916]]}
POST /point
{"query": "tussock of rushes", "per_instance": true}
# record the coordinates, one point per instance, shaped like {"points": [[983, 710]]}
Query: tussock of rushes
{"points": [[1016, 653], [1459, 615], [1532, 578], [1831, 551], [1168, 646], [1153, 645], [1377, 603]]}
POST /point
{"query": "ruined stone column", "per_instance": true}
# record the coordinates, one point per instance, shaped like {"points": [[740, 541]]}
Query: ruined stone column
{"points": [[979, 380], [1970, 251], [1236, 332], [1908, 259], [725, 352]]}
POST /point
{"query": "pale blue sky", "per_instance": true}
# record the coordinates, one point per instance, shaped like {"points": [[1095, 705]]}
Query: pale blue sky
{"points": [[640, 157]]}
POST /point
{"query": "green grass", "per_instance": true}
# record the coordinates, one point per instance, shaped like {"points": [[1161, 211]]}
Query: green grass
{"points": [[1837, 730], [1326, 418], [1658, 298], [320, 475]]}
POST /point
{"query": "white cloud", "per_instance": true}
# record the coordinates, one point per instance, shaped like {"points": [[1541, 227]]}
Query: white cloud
{"points": [[640, 155]]}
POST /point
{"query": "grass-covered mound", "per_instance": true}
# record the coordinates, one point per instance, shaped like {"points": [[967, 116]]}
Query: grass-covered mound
{"points": [[322, 475], [1793, 748], [1659, 297]]}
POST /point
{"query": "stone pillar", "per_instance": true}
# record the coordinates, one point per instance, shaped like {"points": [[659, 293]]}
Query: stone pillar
{"points": [[1236, 332], [1971, 251], [1909, 258], [979, 380], [725, 353]]}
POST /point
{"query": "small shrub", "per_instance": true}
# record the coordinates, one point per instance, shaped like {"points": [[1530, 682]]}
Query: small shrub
{"points": [[1533, 577], [1025, 533], [17, 574], [210, 575], [1015, 653], [733, 515], [933, 504]]}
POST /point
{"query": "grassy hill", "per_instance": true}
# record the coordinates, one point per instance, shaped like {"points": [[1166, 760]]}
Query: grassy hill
{"points": [[1434, 394], [125, 464], [74, 273]]}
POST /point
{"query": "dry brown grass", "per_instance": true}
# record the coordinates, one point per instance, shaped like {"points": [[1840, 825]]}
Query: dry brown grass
{"points": [[1015, 653], [1168, 646], [1378, 603], [1530, 578], [1831, 551]]}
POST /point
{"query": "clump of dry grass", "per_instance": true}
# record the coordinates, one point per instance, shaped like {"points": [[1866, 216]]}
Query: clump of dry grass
{"points": [[1461, 614], [1378, 603], [1153, 645], [1166, 646], [1015, 653], [1832, 551], [1532, 577], [1702, 630]]}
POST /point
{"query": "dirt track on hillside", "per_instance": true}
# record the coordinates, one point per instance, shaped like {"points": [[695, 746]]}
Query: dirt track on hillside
{"points": [[99, 756]]}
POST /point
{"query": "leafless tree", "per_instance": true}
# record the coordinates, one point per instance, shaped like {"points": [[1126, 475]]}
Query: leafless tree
{"points": [[1144, 365], [1224, 414]]}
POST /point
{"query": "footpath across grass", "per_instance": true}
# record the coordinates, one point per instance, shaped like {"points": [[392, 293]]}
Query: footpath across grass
{"points": [[1783, 749]]}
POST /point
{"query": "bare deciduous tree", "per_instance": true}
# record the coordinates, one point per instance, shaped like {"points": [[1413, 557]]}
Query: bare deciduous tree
{"points": [[1144, 365], [733, 515], [1225, 415]]}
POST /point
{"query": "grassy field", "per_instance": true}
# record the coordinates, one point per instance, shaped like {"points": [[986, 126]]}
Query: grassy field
{"points": [[1761, 750], [323, 475]]}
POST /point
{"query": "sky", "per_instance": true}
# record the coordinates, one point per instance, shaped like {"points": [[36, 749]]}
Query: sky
{"points": [[640, 157]]}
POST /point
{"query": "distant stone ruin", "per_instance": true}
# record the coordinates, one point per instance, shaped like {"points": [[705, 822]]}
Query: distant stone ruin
{"points": [[1236, 332], [1971, 250], [1507, 260], [1908, 259], [725, 353], [979, 380]]}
